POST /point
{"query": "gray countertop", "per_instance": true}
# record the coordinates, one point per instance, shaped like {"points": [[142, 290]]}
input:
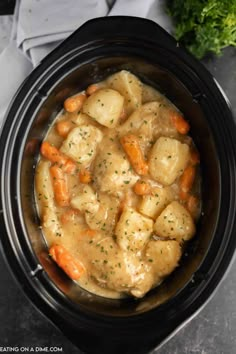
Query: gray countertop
{"points": [[212, 331]]}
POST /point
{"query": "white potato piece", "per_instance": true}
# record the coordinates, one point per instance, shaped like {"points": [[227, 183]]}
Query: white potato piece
{"points": [[105, 106], [168, 159], [153, 204], [105, 218], [129, 86], [175, 222], [86, 201], [133, 230], [163, 257], [81, 144], [112, 170], [45, 195]]}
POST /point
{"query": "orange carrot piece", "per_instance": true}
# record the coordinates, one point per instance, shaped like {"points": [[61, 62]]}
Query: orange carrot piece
{"points": [[63, 127], [55, 156], [73, 268], [187, 178], [69, 215], [60, 186], [90, 232], [52, 153], [142, 188], [91, 89], [74, 103], [69, 167], [192, 205], [132, 148], [85, 176], [181, 125], [183, 195], [194, 157]]}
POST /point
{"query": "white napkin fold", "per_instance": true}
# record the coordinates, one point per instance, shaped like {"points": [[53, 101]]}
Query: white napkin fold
{"points": [[40, 25], [137, 8], [46, 21], [14, 68], [5, 30]]}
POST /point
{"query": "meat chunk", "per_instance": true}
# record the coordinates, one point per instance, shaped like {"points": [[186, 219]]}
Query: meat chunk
{"points": [[163, 257], [118, 270], [112, 171], [81, 144], [152, 119], [86, 201], [105, 218]]}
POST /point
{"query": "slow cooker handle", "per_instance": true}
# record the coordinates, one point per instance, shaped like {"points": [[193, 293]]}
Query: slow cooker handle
{"points": [[115, 28]]}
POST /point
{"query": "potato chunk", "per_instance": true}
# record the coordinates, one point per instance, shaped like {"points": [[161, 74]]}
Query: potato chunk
{"points": [[153, 204], [81, 144], [112, 171], [105, 106], [168, 158], [133, 230], [86, 201], [128, 86], [175, 222], [163, 257]]}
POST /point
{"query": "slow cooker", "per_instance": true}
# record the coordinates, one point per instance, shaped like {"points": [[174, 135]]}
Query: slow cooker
{"points": [[100, 47]]}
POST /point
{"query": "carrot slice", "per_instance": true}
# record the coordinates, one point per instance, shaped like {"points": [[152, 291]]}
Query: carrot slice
{"points": [[194, 157], [130, 144], [69, 167], [64, 127], [91, 89], [90, 232], [85, 176], [193, 205], [181, 125], [60, 186], [54, 155], [142, 188], [74, 103], [69, 215], [183, 195], [187, 178], [64, 260]]}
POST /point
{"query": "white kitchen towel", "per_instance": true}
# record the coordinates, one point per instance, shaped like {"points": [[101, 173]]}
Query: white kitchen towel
{"points": [[137, 8], [40, 25], [42, 22], [5, 30]]}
